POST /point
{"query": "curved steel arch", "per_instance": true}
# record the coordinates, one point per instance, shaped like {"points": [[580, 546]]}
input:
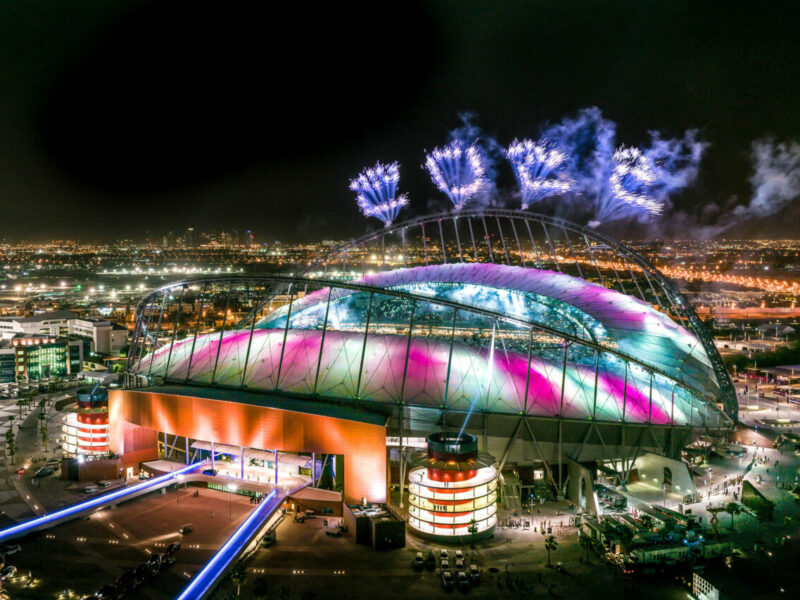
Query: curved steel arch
{"points": [[144, 336], [670, 301]]}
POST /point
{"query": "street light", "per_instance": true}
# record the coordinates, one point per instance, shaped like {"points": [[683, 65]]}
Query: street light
{"points": [[231, 489]]}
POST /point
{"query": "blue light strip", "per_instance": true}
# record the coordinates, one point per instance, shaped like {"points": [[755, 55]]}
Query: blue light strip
{"points": [[96, 502], [206, 577]]}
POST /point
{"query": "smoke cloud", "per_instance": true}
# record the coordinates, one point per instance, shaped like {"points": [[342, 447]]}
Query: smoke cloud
{"points": [[590, 142], [775, 178]]}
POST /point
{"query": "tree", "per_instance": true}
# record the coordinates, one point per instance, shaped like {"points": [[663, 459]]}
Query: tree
{"points": [[473, 527], [733, 509], [45, 437], [238, 576], [43, 429], [11, 444], [551, 545], [586, 545]]}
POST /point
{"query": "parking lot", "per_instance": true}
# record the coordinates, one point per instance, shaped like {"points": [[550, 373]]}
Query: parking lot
{"points": [[84, 555], [306, 564]]}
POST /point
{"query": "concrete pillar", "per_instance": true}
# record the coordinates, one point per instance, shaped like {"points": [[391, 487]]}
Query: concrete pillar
{"points": [[212, 454], [276, 467], [186, 455], [313, 469], [241, 462]]}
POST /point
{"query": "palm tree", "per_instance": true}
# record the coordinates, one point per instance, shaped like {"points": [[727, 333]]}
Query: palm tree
{"points": [[733, 509], [551, 545], [11, 445], [45, 437], [43, 429], [238, 576], [473, 527]]}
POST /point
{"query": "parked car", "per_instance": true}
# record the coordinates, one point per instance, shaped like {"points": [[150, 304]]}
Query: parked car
{"points": [[447, 580], [7, 571], [430, 561], [445, 564], [459, 564], [90, 489], [474, 574], [44, 472], [442, 553], [463, 582], [210, 472], [104, 484], [270, 537], [10, 549], [459, 554], [419, 562]]}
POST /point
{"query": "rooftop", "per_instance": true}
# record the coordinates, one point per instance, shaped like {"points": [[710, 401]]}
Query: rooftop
{"points": [[347, 411]]}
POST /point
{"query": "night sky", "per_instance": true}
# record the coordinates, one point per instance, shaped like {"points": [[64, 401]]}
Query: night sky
{"points": [[122, 117]]}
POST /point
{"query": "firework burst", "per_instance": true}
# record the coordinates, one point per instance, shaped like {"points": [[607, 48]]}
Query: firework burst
{"points": [[458, 170], [376, 192], [540, 169], [632, 182]]}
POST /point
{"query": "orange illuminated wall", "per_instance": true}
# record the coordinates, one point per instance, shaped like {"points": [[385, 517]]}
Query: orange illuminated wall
{"points": [[363, 445]]}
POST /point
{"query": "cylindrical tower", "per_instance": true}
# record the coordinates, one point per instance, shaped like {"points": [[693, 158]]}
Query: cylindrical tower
{"points": [[452, 490], [85, 432]]}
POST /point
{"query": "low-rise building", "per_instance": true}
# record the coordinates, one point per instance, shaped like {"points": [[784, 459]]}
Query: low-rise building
{"points": [[104, 336], [39, 356]]}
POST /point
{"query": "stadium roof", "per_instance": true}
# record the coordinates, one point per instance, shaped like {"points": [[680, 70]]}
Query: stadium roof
{"points": [[555, 300]]}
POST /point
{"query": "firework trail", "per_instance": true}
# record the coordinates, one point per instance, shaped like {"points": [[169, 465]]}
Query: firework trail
{"points": [[376, 192], [539, 168], [458, 170]]}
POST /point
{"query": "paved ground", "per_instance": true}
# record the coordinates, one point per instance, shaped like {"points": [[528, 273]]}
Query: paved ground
{"points": [[306, 564], [85, 554]]}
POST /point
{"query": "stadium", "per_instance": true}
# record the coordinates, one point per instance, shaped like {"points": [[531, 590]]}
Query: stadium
{"points": [[563, 352]]}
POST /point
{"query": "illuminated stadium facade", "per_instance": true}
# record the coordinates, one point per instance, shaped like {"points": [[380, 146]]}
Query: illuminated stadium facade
{"points": [[452, 489], [556, 346]]}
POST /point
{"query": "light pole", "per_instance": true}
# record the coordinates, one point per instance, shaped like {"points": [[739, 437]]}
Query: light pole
{"points": [[231, 490]]}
